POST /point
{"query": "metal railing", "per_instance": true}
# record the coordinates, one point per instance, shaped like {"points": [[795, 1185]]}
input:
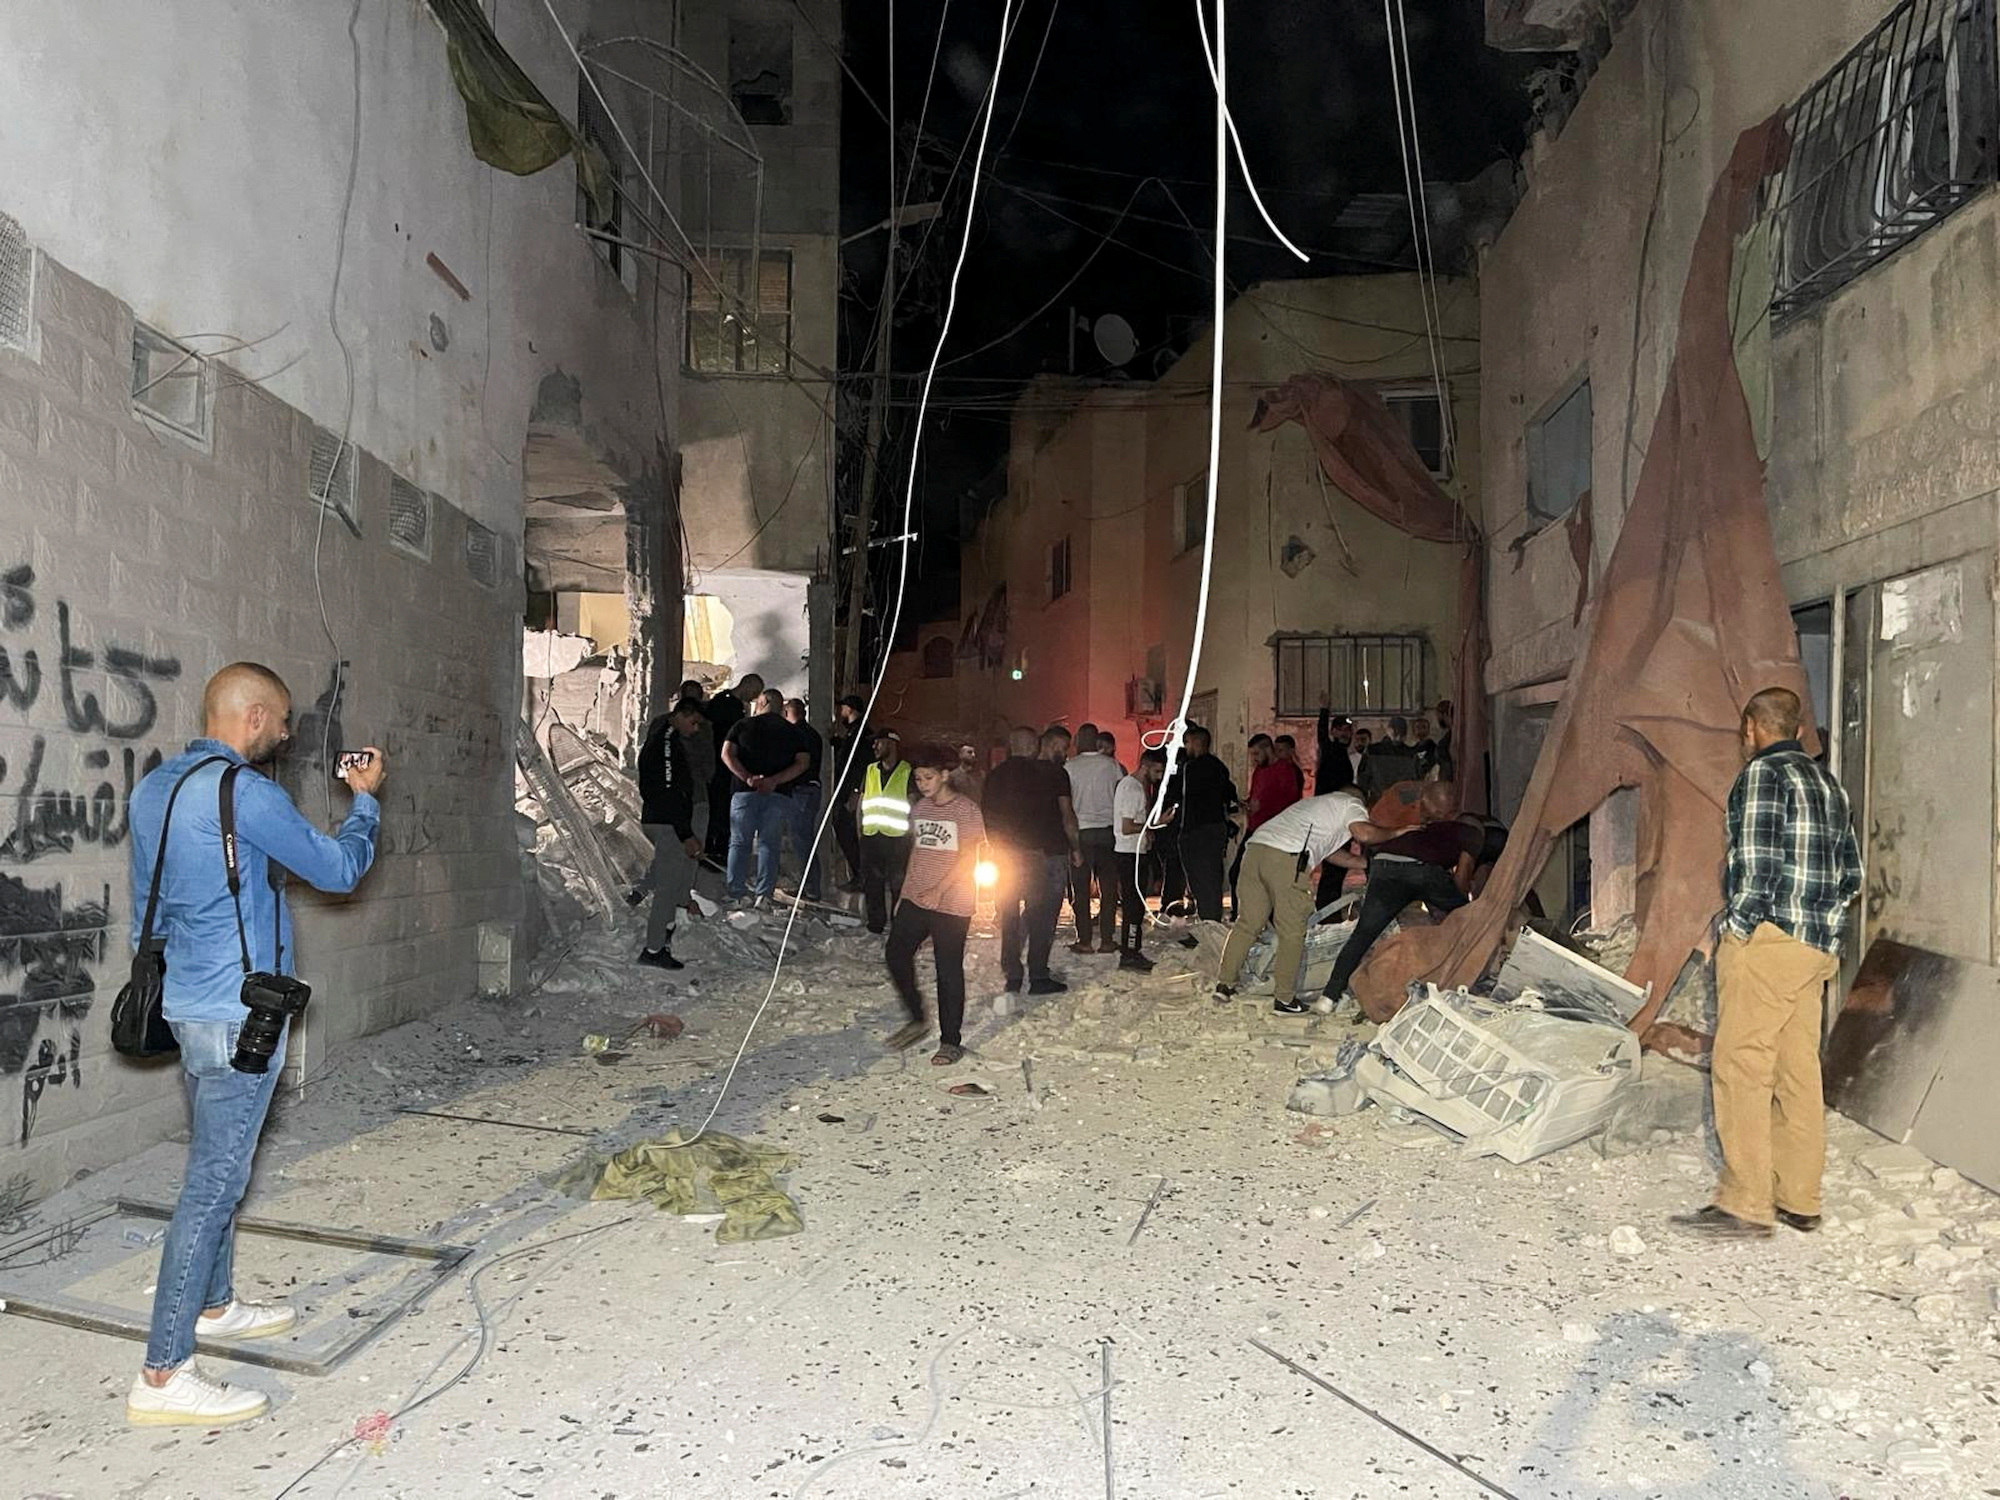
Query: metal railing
{"points": [[1899, 134]]}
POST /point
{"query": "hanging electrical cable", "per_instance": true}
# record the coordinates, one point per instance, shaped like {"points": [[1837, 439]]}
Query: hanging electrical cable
{"points": [[907, 533], [1242, 161], [1402, 87], [1176, 730]]}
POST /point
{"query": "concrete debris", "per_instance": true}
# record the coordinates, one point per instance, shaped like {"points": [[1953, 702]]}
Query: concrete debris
{"points": [[1911, 1458], [1668, 1101], [1323, 944], [1625, 1241], [1579, 1333], [1897, 1165]]}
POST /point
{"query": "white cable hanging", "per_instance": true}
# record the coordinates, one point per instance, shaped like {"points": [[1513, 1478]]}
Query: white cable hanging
{"points": [[1242, 161]]}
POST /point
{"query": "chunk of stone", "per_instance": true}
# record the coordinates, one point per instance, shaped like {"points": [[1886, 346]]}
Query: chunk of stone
{"points": [[1325, 1096], [1625, 1241], [1897, 1164]]}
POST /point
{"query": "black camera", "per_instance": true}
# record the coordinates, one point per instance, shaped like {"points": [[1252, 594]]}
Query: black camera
{"points": [[272, 999]]}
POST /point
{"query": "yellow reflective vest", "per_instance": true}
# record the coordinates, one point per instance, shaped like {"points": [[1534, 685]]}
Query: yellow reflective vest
{"points": [[885, 805]]}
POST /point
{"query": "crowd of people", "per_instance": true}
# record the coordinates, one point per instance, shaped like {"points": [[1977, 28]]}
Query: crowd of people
{"points": [[730, 779]]}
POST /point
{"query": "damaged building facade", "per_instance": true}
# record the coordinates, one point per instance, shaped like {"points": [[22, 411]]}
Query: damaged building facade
{"points": [[347, 419], [1078, 587], [1862, 305]]}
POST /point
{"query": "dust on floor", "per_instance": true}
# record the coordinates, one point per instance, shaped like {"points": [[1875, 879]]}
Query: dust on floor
{"points": [[940, 1328]]}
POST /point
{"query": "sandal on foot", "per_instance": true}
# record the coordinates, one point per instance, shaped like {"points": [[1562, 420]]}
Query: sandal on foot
{"points": [[946, 1055], [907, 1036]]}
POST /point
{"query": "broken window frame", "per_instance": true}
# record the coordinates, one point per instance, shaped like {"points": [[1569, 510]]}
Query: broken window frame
{"points": [[609, 228], [719, 342], [1363, 675], [1896, 137], [1191, 513], [1061, 571], [1550, 495], [758, 104], [1404, 402]]}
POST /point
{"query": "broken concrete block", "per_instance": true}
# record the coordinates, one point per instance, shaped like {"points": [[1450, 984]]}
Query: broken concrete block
{"points": [[1896, 1164], [1321, 1095], [1936, 1309], [1912, 1458], [1625, 1241]]}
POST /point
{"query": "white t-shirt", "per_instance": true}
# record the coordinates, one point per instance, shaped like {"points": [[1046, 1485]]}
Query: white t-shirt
{"points": [[1093, 781], [1133, 801], [1318, 825]]}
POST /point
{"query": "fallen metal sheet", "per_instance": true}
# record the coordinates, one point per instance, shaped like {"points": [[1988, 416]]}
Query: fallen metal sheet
{"points": [[1569, 983], [97, 1317], [1914, 1053]]}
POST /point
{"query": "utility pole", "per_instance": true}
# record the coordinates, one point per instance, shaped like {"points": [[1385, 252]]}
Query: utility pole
{"points": [[871, 453]]}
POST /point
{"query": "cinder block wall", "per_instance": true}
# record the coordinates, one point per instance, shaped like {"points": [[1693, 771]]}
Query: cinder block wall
{"points": [[133, 563]]}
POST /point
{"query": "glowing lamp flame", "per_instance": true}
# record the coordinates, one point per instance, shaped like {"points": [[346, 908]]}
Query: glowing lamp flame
{"points": [[986, 874]]}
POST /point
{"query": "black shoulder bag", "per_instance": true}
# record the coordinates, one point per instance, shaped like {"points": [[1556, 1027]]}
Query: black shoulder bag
{"points": [[272, 998], [138, 1019]]}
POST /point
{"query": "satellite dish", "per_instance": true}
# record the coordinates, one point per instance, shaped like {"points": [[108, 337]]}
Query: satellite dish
{"points": [[1115, 340]]}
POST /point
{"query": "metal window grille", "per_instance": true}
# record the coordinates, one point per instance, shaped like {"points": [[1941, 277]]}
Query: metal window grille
{"points": [[330, 478], [169, 383], [1357, 674], [17, 285], [482, 553], [595, 126], [721, 339], [409, 517], [1896, 137]]}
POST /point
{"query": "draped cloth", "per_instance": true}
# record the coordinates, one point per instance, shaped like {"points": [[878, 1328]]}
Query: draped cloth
{"points": [[1689, 620]]}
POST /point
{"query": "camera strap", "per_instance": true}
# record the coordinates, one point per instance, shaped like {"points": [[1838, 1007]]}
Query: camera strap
{"points": [[160, 856], [273, 873]]}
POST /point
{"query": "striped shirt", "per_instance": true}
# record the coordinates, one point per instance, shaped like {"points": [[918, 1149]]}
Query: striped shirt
{"points": [[1793, 860], [946, 841]]}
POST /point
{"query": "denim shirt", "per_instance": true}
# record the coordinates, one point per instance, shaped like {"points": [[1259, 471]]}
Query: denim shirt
{"points": [[196, 915]]}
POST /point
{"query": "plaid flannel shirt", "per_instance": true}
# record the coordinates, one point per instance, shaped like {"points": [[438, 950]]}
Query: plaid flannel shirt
{"points": [[1793, 860]]}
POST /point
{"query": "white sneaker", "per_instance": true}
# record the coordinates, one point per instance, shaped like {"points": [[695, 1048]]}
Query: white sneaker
{"points": [[248, 1320], [191, 1398]]}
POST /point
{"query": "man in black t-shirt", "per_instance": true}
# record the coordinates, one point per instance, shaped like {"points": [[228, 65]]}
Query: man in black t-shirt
{"points": [[724, 710], [1031, 821], [805, 797], [1207, 799], [766, 755], [1431, 863]]}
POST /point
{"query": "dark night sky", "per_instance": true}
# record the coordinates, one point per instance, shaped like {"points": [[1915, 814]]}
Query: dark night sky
{"points": [[1120, 95]]}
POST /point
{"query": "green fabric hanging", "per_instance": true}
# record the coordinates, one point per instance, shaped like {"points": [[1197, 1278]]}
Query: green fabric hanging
{"points": [[513, 127]]}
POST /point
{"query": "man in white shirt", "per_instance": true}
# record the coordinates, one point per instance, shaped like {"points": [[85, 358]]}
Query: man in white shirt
{"points": [[1280, 869], [1132, 808], [1093, 782]]}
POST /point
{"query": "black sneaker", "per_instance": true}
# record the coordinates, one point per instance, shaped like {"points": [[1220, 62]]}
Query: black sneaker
{"points": [[1135, 960], [1721, 1224], [1047, 984], [1224, 993], [1014, 983], [1803, 1223], [1291, 1007], [660, 958]]}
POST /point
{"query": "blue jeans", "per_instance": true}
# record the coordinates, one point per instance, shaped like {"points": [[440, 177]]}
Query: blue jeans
{"points": [[1030, 895], [199, 1257], [803, 822], [757, 818]]}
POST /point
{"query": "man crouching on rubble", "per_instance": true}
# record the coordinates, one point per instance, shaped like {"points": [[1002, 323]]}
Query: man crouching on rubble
{"points": [[1792, 869], [213, 946]]}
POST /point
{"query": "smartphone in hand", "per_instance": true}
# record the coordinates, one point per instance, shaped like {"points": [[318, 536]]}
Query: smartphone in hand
{"points": [[349, 760]]}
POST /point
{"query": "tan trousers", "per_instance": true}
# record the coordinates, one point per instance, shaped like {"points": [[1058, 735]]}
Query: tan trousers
{"points": [[1765, 1072], [1270, 889]]}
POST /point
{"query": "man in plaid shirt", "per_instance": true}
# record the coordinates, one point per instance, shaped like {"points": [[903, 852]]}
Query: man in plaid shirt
{"points": [[1793, 869]]}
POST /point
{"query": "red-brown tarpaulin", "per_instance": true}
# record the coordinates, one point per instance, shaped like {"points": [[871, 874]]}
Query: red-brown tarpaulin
{"points": [[1690, 619], [1367, 456]]}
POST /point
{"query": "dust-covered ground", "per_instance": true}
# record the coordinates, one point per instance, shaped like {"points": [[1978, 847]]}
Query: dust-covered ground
{"points": [[984, 1282]]}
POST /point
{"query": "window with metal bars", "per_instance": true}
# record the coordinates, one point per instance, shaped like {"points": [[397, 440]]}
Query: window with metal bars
{"points": [[1353, 674], [722, 339], [409, 517], [330, 478], [1896, 137], [608, 217]]}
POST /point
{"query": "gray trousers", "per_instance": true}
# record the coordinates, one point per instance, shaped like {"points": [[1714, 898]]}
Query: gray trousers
{"points": [[670, 880]]}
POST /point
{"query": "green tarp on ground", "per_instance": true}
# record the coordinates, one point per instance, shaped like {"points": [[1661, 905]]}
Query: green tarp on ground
{"points": [[717, 1173]]}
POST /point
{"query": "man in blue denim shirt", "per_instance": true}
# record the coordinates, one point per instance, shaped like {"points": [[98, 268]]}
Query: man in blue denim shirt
{"points": [[247, 717]]}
